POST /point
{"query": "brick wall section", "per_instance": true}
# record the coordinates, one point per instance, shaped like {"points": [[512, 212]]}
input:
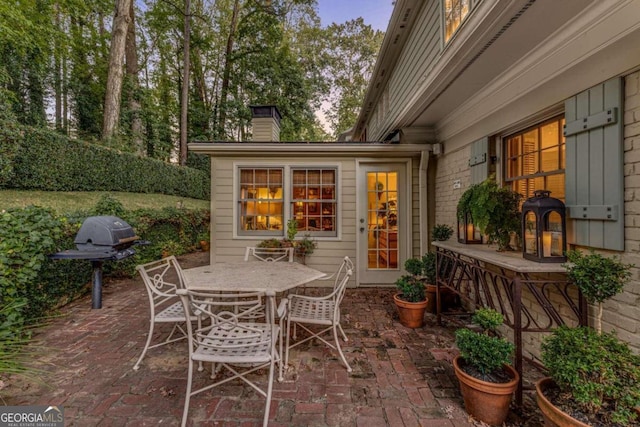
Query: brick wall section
{"points": [[450, 167], [622, 312]]}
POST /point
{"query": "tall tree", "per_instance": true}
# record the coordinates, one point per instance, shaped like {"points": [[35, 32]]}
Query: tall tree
{"points": [[131, 59], [184, 97], [351, 53], [113, 93]]}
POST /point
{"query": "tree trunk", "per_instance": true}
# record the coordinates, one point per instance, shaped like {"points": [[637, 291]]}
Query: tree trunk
{"points": [[184, 99], [57, 77], [131, 58], [115, 73], [227, 72]]}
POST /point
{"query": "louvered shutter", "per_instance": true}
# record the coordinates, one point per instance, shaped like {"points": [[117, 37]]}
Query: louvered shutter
{"points": [[594, 166], [479, 160]]}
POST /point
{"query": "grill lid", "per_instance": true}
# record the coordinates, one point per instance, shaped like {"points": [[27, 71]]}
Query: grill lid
{"points": [[99, 233]]}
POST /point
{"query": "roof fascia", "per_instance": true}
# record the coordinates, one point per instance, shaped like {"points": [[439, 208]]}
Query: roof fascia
{"points": [[296, 149]]}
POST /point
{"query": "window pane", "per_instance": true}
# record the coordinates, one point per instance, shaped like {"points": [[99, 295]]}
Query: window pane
{"points": [[260, 201], [549, 134], [313, 201], [541, 165]]}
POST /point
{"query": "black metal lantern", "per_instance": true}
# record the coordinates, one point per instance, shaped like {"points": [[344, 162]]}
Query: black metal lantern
{"points": [[544, 235], [467, 232]]}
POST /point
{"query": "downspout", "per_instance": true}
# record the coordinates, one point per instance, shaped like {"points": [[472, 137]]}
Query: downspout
{"points": [[422, 200]]}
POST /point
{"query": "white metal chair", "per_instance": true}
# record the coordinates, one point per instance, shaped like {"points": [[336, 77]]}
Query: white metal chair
{"points": [[161, 279], [269, 254], [301, 310], [232, 341]]}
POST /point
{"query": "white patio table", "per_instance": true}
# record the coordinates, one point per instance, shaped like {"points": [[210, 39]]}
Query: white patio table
{"points": [[267, 277]]}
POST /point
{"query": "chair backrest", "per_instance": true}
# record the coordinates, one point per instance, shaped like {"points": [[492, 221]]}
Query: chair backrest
{"points": [[232, 312], [344, 274], [269, 254], [226, 307], [338, 275], [162, 278]]}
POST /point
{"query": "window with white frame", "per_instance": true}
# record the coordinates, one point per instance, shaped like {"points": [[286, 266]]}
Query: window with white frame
{"points": [[311, 200], [535, 159], [261, 201], [455, 11]]}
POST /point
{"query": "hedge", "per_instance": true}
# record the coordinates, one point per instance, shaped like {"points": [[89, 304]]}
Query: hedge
{"points": [[29, 235], [41, 159]]}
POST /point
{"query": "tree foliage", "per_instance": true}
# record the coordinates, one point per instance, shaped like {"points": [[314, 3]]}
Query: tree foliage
{"points": [[54, 61]]}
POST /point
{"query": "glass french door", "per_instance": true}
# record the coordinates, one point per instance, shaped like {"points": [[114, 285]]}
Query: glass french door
{"points": [[382, 223]]}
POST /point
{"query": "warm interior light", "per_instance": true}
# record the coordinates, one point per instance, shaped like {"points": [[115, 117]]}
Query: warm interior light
{"points": [[546, 243]]}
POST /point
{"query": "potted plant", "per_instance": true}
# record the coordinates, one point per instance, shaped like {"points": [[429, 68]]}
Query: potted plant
{"points": [[411, 299], [494, 210], [593, 377], [483, 368], [203, 240], [598, 278], [441, 232]]}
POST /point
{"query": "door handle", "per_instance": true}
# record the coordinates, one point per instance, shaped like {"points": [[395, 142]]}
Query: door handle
{"points": [[362, 229]]}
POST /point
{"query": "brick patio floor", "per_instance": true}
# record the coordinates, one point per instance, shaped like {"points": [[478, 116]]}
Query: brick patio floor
{"points": [[401, 377]]}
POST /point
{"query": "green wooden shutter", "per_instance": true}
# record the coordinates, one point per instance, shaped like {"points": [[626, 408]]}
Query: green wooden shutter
{"points": [[479, 160], [594, 166]]}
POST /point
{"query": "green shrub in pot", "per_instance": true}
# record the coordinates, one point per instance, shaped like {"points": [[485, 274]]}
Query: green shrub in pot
{"points": [[597, 374]]}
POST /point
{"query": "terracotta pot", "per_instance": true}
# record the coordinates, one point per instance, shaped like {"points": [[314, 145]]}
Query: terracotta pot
{"points": [[553, 417], [204, 245], [485, 401], [411, 313]]}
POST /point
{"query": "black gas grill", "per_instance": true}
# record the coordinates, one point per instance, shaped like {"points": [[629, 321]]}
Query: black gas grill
{"points": [[101, 238]]}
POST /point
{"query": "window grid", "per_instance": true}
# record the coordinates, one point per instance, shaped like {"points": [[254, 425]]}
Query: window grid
{"points": [[536, 159], [261, 201], [455, 11], [313, 202]]}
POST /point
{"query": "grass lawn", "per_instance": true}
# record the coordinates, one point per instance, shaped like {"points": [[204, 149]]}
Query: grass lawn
{"points": [[70, 201]]}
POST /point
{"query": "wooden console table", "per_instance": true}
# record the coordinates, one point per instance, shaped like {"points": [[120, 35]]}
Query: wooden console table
{"points": [[483, 277]]}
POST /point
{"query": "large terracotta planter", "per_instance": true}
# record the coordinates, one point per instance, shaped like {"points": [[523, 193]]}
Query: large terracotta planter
{"points": [[553, 417], [485, 401], [411, 313]]}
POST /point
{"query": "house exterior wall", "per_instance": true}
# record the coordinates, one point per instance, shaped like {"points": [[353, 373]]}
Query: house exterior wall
{"points": [[226, 245], [423, 47], [622, 312]]}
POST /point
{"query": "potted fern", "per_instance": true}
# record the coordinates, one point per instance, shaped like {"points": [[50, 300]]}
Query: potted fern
{"points": [[594, 379], [483, 368], [495, 211]]}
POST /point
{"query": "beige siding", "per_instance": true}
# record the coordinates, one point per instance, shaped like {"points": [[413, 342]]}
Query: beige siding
{"points": [[330, 251], [417, 58]]}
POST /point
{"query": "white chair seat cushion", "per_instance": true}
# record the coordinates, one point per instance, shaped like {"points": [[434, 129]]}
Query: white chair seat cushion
{"points": [[318, 312], [238, 345]]}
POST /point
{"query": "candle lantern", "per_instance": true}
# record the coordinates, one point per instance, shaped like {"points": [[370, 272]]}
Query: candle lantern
{"points": [[467, 232], [544, 235]]}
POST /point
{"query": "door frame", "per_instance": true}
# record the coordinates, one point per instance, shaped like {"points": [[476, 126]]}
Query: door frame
{"points": [[405, 220]]}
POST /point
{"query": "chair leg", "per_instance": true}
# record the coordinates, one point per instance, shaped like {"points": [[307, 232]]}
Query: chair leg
{"points": [[343, 334], [267, 406], [286, 358], [146, 346], [335, 336], [187, 397]]}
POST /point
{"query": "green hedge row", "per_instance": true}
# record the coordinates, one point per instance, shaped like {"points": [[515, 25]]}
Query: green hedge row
{"points": [[29, 235], [41, 159]]}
